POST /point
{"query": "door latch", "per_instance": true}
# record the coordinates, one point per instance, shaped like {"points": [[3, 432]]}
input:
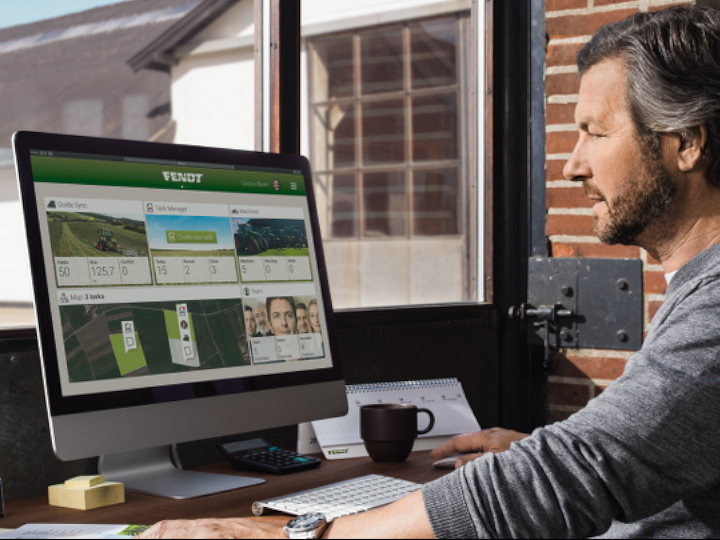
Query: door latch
{"points": [[544, 315]]}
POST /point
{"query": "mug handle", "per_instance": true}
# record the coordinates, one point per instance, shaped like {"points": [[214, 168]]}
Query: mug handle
{"points": [[432, 421]]}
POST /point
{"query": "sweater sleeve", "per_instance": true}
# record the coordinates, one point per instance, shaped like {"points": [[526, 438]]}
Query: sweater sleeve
{"points": [[647, 442]]}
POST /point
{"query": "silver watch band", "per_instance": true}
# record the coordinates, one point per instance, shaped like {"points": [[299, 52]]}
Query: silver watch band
{"points": [[302, 535], [297, 529]]}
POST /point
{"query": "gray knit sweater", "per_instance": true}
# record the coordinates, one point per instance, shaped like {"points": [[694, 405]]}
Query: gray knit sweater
{"points": [[641, 460]]}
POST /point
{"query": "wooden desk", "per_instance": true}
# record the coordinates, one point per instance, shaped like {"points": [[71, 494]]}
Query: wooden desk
{"points": [[146, 510]]}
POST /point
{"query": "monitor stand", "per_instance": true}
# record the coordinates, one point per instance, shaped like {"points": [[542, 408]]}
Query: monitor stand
{"points": [[152, 471]]}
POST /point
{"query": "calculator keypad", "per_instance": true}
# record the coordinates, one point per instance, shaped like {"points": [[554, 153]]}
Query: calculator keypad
{"points": [[275, 459]]}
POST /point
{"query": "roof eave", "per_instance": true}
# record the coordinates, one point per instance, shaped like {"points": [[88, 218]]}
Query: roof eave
{"points": [[159, 54]]}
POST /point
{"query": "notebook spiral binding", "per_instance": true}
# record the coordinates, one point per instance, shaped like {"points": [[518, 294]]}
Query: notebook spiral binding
{"points": [[400, 385]]}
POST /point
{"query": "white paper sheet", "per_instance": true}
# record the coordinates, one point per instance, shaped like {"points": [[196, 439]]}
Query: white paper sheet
{"points": [[47, 530], [444, 397]]}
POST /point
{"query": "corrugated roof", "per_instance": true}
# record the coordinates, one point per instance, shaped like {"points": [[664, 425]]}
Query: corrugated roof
{"points": [[100, 27]]}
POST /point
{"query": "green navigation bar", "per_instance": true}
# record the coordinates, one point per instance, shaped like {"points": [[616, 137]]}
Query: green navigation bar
{"points": [[142, 175]]}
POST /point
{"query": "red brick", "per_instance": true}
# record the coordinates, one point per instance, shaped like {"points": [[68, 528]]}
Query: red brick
{"points": [[583, 25], [554, 169], [567, 198], [562, 83], [654, 283], [557, 5], [651, 259], [595, 251], [558, 416], [570, 225], [608, 2], [609, 368], [659, 8], [562, 55], [560, 113], [568, 394], [598, 389], [653, 307], [561, 142]]}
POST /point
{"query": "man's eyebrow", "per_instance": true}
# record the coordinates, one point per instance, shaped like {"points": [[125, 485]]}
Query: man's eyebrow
{"points": [[584, 124]]}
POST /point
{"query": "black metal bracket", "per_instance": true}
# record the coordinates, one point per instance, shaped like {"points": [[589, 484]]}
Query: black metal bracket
{"points": [[584, 303]]}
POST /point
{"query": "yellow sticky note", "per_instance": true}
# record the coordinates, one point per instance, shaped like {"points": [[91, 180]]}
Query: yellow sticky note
{"points": [[84, 482], [98, 496]]}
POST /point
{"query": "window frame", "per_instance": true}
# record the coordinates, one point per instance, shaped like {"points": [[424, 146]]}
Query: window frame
{"points": [[407, 94]]}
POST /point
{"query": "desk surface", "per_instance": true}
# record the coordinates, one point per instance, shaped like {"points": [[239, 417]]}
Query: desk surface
{"points": [[146, 510]]}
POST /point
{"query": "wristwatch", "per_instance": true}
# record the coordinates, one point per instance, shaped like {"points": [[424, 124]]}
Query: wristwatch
{"points": [[306, 526]]}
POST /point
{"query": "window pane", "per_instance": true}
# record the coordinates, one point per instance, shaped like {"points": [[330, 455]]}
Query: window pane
{"points": [[435, 132], [334, 136], [434, 53], [333, 68], [382, 62], [344, 206], [435, 202], [385, 199], [383, 132], [401, 237], [70, 74]]}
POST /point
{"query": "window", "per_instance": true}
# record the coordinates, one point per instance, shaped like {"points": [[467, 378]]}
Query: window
{"points": [[389, 116]]}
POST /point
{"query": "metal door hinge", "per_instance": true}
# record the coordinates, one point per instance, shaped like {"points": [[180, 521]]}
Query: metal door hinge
{"points": [[583, 303]]}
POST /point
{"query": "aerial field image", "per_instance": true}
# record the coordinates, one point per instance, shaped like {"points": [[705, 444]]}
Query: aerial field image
{"points": [[99, 347]]}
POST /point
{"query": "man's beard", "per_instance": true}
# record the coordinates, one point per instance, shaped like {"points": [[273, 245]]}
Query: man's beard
{"points": [[642, 202]]}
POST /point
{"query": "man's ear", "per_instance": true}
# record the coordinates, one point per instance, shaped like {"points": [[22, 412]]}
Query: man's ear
{"points": [[692, 144]]}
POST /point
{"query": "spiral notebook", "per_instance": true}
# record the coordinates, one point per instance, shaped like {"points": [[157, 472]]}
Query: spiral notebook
{"points": [[340, 437]]}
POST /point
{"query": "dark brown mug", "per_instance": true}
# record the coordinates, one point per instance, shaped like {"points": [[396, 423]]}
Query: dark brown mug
{"points": [[389, 430]]}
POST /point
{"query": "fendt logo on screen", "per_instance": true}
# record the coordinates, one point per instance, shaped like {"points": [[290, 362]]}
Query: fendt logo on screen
{"points": [[189, 178]]}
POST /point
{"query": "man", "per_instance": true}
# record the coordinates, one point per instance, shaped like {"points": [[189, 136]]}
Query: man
{"points": [[282, 315], [643, 458], [261, 318], [303, 324], [250, 324]]}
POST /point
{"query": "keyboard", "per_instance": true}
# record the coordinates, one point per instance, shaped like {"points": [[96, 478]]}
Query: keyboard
{"points": [[342, 498]]}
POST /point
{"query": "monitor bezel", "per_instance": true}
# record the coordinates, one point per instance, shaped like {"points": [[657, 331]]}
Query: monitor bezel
{"points": [[59, 405]]}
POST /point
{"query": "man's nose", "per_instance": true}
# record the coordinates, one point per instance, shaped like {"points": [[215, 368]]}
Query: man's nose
{"points": [[577, 168]]}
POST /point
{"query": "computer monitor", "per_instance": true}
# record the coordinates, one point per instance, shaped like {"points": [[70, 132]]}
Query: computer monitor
{"points": [[181, 294]]}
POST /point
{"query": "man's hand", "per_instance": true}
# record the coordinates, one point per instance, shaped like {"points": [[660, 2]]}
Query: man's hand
{"points": [[214, 528], [475, 445]]}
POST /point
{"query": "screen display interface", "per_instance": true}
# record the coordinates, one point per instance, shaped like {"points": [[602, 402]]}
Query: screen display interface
{"points": [[164, 273]]}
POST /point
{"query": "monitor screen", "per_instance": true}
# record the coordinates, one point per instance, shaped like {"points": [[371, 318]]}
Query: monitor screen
{"points": [[169, 275]]}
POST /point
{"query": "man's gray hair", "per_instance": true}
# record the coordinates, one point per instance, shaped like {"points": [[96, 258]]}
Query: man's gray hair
{"points": [[672, 59]]}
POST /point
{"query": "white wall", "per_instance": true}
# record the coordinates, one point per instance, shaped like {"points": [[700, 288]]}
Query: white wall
{"points": [[213, 99], [14, 271], [326, 16]]}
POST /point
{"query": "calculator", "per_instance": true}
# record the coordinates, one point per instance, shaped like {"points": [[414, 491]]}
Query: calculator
{"points": [[259, 455]]}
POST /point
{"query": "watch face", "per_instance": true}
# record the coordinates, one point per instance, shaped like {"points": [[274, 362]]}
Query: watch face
{"points": [[306, 522]]}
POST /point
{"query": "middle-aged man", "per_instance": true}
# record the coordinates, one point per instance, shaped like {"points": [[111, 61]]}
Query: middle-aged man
{"points": [[303, 323], [281, 311], [261, 318], [643, 458]]}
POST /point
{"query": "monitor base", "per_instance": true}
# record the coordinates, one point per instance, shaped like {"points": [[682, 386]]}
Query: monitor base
{"points": [[152, 472]]}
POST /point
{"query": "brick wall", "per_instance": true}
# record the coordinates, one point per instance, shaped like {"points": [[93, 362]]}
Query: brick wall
{"points": [[579, 375]]}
